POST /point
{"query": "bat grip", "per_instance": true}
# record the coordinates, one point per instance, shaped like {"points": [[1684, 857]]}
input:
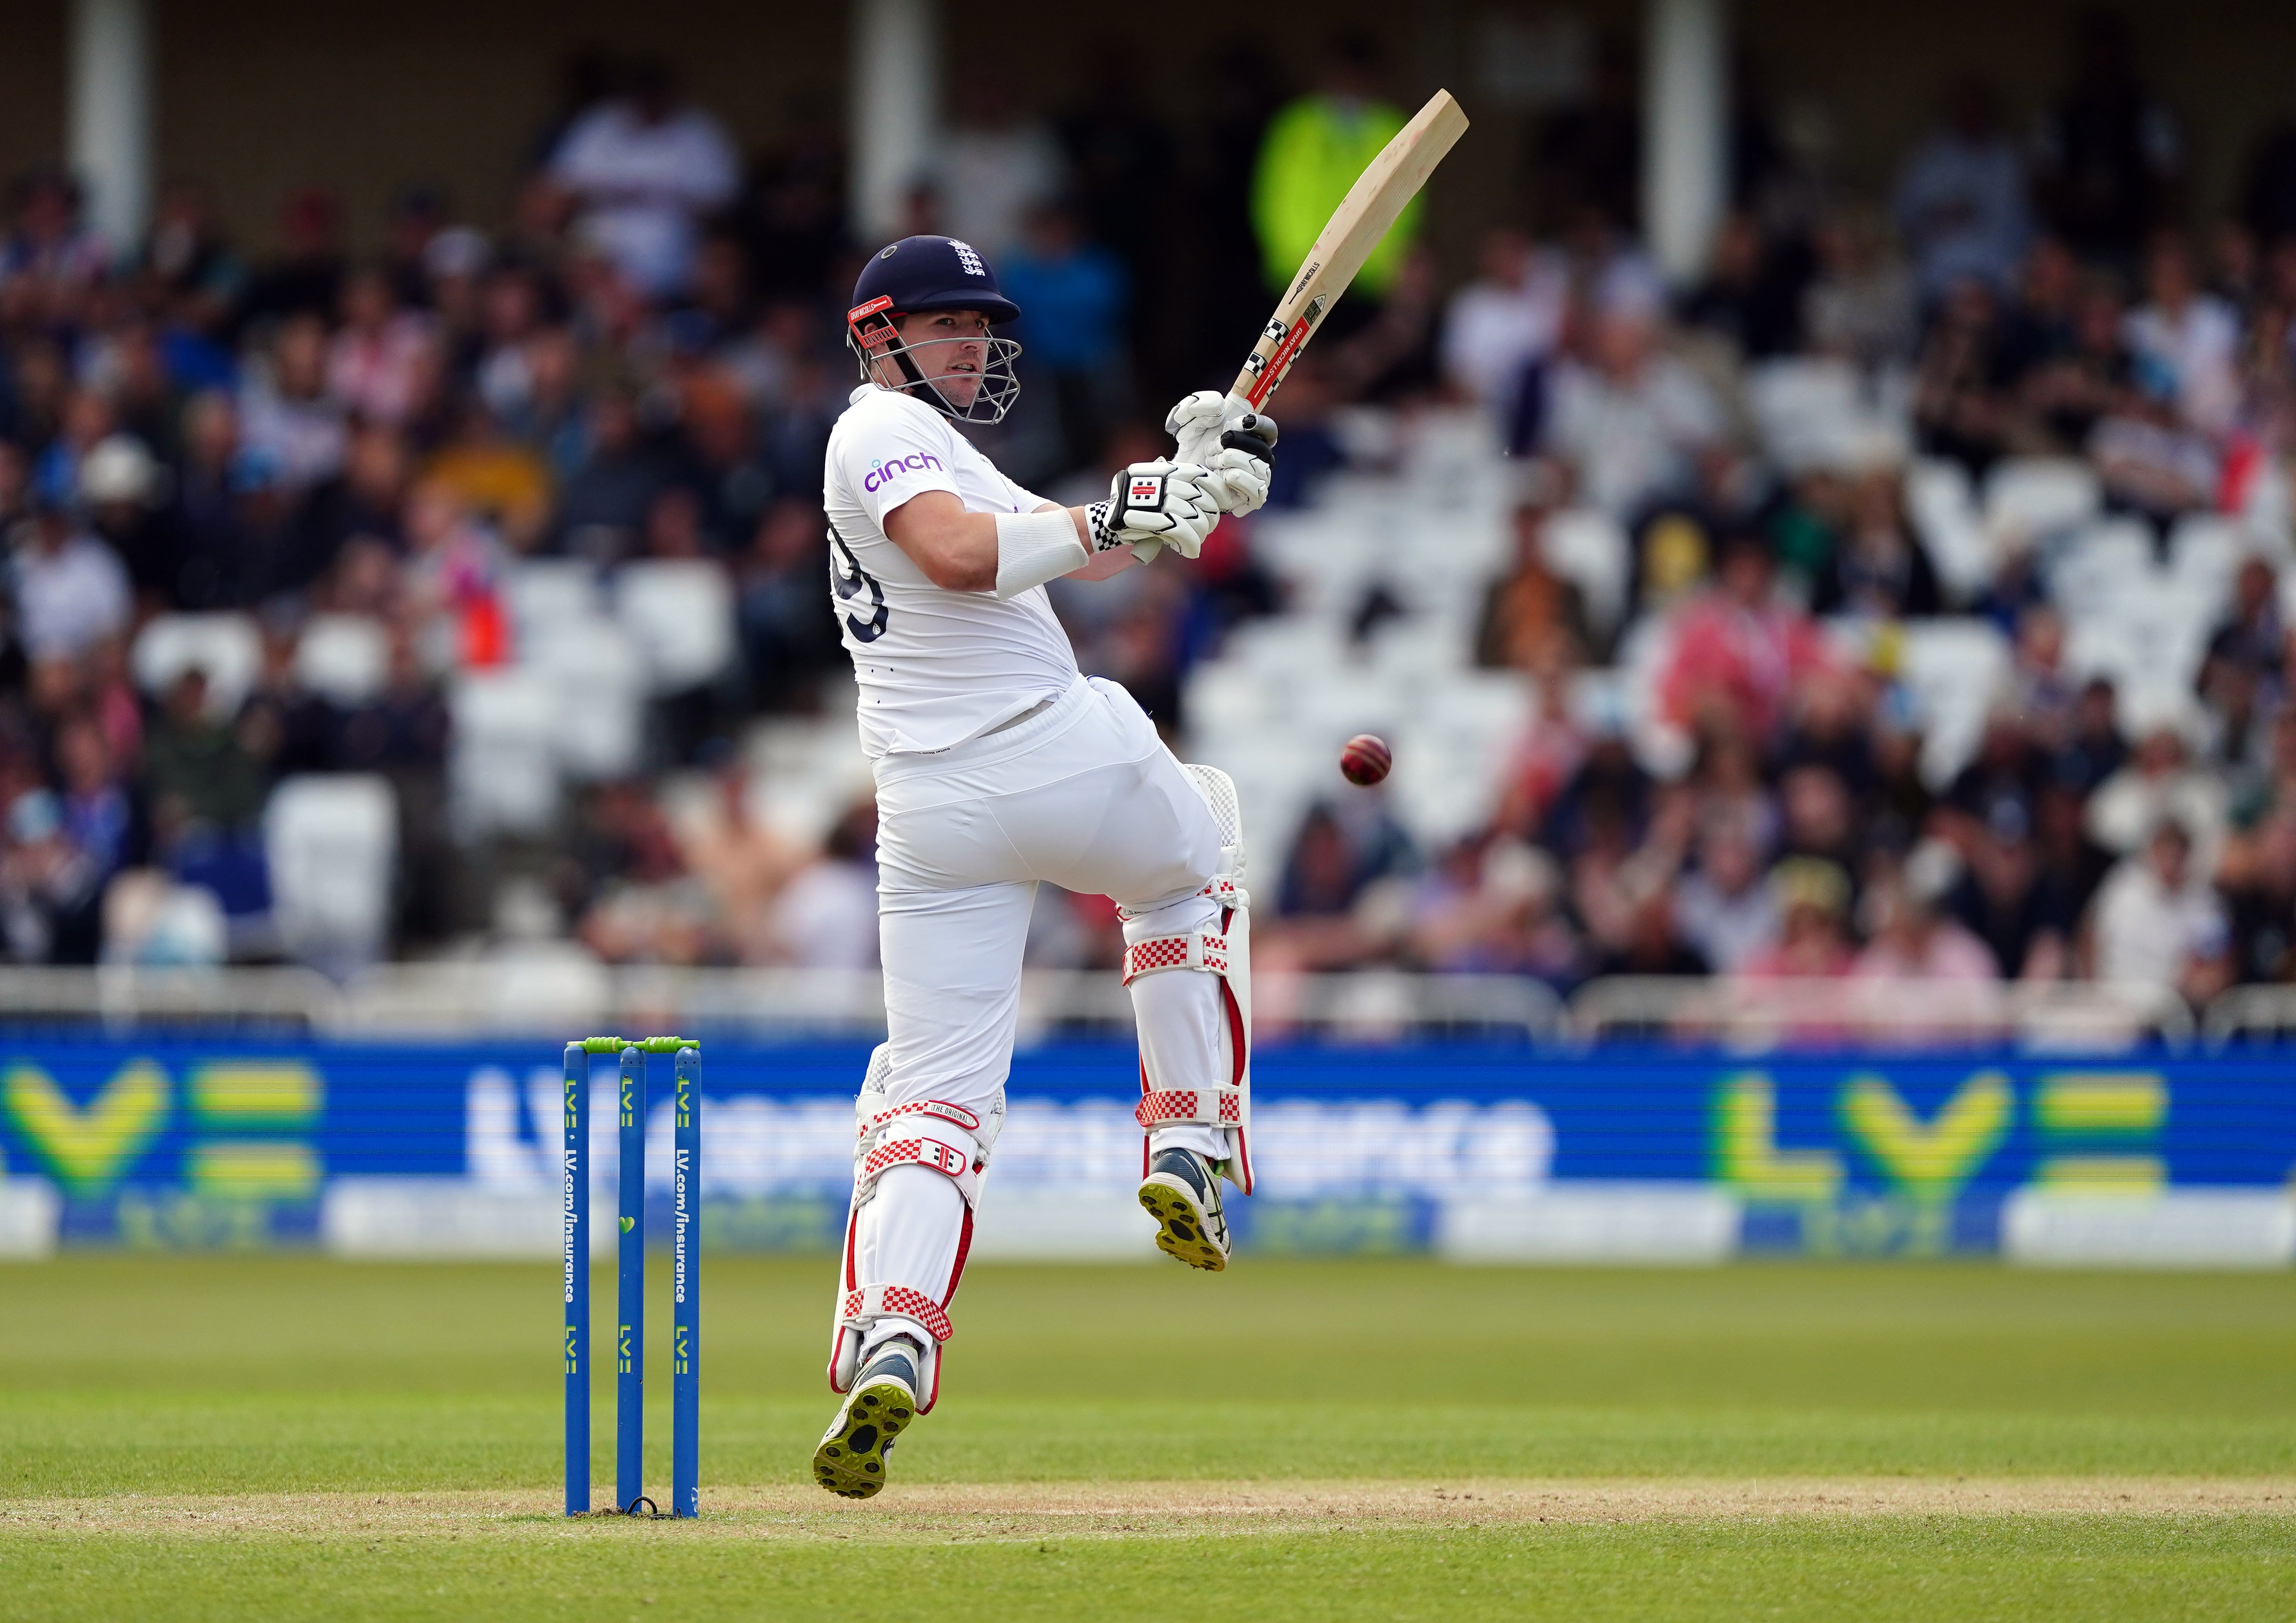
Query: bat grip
{"points": [[1236, 439]]}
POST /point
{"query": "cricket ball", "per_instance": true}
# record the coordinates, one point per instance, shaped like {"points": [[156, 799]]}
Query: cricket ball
{"points": [[1365, 759]]}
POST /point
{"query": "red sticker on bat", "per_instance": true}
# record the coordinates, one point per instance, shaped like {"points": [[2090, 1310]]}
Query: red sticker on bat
{"points": [[1279, 363]]}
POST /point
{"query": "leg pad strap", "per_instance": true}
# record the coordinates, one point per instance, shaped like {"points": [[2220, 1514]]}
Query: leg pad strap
{"points": [[877, 1152], [863, 1307], [1217, 1107], [1199, 949]]}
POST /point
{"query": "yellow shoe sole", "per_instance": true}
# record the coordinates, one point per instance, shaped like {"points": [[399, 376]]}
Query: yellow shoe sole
{"points": [[1180, 1227], [851, 1459]]}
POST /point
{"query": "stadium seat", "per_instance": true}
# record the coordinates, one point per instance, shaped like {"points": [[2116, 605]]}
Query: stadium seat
{"points": [[345, 659], [1225, 697], [546, 594], [1290, 650], [2205, 551], [1453, 750], [596, 680], [2092, 570], [330, 841], [680, 614], [1590, 548], [1804, 408], [1350, 699], [227, 648], [1943, 508], [1955, 668], [1425, 647], [804, 773], [501, 770], [2033, 498]]}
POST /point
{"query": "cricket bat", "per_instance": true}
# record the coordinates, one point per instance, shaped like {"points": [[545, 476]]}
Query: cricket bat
{"points": [[1354, 229]]}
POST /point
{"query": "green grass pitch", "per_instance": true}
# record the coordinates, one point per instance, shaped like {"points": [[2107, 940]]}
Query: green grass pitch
{"points": [[283, 1437]]}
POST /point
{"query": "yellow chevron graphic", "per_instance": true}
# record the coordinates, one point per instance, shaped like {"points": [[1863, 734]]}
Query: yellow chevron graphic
{"points": [[88, 1149], [1930, 1161]]}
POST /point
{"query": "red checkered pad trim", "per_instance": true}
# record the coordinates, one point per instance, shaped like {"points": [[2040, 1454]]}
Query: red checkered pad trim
{"points": [[1210, 1106], [913, 1152], [873, 1302], [941, 1108], [1227, 892], [1198, 950]]}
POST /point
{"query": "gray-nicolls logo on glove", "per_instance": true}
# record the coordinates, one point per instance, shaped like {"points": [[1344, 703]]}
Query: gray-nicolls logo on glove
{"points": [[1155, 504]]}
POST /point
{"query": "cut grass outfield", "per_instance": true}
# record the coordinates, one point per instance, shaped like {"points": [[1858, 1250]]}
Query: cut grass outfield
{"points": [[256, 1436]]}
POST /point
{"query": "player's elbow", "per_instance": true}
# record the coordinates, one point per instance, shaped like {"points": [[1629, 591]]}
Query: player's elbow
{"points": [[958, 568]]}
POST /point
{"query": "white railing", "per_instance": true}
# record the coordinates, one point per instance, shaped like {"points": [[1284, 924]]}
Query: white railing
{"points": [[130, 998], [2078, 1016], [2250, 1011], [558, 998]]}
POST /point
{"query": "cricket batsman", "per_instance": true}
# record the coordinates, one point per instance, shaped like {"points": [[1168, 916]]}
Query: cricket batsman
{"points": [[998, 766]]}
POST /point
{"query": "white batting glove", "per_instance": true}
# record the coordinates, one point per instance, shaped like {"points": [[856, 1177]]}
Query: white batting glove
{"points": [[1162, 503], [1200, 423], [1195, 424], [1238, 482]]}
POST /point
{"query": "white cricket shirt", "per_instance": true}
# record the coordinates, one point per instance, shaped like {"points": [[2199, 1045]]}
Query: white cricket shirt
{"points": [[934, 667]]}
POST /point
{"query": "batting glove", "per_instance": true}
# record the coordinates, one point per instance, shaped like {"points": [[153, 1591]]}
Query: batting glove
{"points": [[1238, 482], [1208, 421], [1172, 505]]}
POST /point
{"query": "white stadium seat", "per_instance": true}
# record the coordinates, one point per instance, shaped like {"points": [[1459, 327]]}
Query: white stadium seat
{"points": [[680, 614], [546, 595], [1587, 546], [1804, 407], [226, 648], [1955, 668], [330, 841], [597, 679], [1943, 508], [501, 770], [345, 659], [2031, 498], [2206, 550]]}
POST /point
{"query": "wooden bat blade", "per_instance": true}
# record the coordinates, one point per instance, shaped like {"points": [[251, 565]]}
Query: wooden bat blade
{"points": [[1364, 217]]}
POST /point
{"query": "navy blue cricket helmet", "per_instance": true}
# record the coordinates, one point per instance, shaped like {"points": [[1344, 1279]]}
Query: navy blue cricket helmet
{"points": [[926, 273], [932, 274]]}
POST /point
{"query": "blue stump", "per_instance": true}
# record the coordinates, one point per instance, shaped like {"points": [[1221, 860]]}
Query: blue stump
{"points": [[629, 1339], [686, 1291], [574, 1222]]}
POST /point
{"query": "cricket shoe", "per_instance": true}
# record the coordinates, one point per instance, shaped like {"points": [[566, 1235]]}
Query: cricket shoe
{"points": [[851, 1458], [1182, 1193]]}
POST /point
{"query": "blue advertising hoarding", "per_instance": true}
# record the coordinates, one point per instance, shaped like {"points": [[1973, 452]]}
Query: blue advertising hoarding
{"points": [[178, 1143]]}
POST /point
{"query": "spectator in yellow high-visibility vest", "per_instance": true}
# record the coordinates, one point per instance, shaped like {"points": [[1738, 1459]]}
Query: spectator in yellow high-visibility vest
{"points": [[1314, 147]]}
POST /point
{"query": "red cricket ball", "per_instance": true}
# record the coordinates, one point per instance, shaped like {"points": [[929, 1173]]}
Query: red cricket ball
{"points": [[1365, 759]]}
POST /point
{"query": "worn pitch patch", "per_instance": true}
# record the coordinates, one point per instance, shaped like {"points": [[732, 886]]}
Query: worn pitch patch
{"points": [[940, 1513]]}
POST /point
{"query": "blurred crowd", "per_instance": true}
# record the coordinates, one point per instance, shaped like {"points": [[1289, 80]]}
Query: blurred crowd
{"points": [[2031, 290], [642, 362]]}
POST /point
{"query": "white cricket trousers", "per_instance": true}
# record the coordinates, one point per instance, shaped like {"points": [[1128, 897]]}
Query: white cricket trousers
{"points": [[1085, 795]]}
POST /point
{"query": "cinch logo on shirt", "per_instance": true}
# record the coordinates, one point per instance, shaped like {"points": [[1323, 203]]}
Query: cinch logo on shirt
{"points": [[884, 469]]}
